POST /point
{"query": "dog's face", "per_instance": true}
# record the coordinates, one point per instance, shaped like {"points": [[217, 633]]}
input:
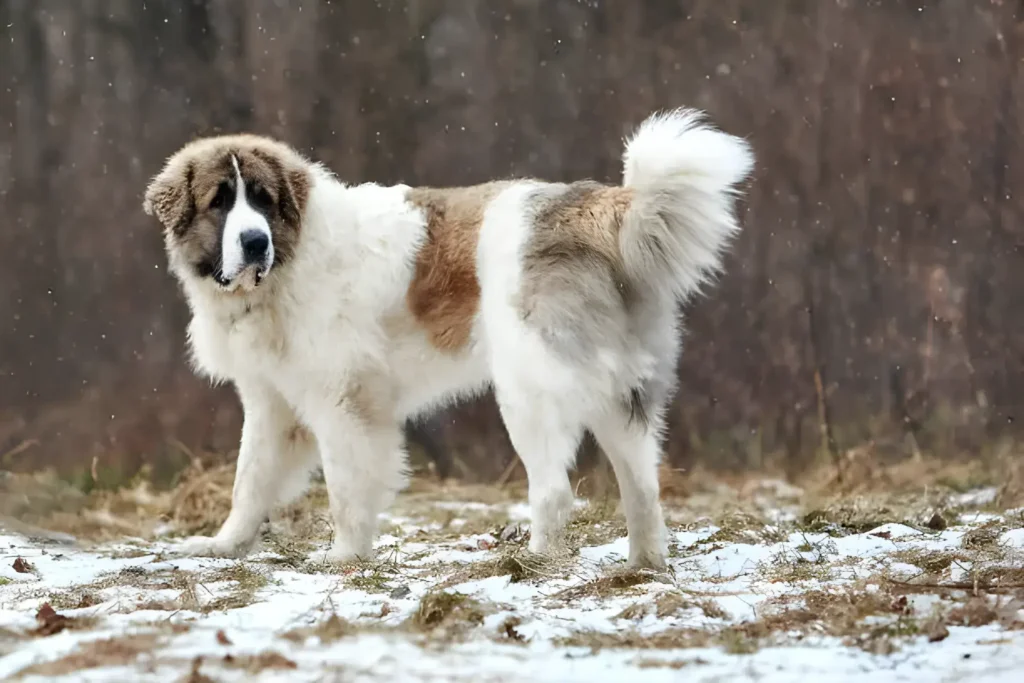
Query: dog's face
{"points": [[231, 208]]}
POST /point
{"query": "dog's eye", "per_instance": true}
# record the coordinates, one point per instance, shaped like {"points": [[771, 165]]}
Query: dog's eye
{"points": [[260, 197], [223, 196]]}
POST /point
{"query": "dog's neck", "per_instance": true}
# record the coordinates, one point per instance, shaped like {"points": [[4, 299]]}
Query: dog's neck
{"points": [[229, 308]]}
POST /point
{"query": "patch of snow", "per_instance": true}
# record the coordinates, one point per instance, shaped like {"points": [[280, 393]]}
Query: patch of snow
{"points": [[732, 580]]}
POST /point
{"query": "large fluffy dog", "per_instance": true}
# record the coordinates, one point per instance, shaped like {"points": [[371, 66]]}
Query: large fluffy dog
{"points": [[337, 311]]}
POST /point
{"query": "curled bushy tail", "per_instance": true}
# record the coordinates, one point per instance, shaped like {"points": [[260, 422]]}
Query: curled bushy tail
{"points": [[685, 176]]}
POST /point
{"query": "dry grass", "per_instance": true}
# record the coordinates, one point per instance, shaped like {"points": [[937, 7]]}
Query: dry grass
{"points": [[984, 537], [517, 563], [792, 567], [246, 580], [451, 611], [931, 562], [742, 526], [873, 614], [616, 582], [671, 603], [596, 523], [870, 615], [201, 501]]}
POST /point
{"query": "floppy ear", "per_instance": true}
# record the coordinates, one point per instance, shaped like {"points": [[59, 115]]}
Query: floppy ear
{"points": [[169, 197], [293, 194]]}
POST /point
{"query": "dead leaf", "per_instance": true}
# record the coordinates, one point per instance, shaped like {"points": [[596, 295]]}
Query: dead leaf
{"points": [[50, 622], [22, 566], [509, 630], [900, 605]]}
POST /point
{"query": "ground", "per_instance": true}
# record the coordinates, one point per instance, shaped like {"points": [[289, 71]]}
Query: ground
{"points": [[768, 582]]}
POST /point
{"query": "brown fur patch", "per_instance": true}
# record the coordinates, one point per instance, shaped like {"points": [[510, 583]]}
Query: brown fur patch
{"points": [[181, 195], [444, 294], [298, 434]]}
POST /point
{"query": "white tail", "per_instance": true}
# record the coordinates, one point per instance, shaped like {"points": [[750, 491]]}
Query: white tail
{"points": [[685, 175]]}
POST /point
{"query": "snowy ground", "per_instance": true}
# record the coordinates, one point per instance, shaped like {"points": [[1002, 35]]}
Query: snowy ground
{"points": [[760, 591]]}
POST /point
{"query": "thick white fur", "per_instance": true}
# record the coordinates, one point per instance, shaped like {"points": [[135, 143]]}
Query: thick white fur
{"points": [[334, 323], [686, 174]]}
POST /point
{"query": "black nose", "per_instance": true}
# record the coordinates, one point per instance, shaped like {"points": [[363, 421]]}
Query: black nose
{"points": [[254, 245]]}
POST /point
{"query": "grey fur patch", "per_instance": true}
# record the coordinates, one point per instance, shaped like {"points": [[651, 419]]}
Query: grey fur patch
{"points": [[638, 407], [577, 294], [574, 291]]}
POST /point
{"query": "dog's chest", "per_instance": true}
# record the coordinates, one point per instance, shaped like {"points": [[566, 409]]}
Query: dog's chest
{"points": [[243, 343]]}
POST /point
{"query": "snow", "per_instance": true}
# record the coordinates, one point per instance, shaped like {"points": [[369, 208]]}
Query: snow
{"points": [[734, 577]]}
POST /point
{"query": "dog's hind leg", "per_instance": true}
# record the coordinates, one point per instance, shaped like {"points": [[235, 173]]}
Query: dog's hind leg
{"points": [[275, 460], [545, 436], [634, 450]]}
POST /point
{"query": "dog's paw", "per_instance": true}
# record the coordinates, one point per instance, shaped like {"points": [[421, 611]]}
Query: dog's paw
{"points": [[340, 554], [552, 545], [654, 560], [211, 546]]}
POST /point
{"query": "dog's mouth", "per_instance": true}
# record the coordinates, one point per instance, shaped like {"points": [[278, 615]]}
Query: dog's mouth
{"points": [[250, 277]]}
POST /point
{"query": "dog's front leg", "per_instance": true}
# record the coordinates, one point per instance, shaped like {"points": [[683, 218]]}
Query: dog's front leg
{"points": [[275, 459], [364, 467]]}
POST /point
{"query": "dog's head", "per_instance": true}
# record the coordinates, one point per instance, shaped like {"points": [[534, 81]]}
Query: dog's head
{"points": [[231, 208]]}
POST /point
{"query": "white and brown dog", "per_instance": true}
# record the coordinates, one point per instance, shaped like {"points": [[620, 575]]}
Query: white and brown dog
{"points": [[338, 311]]}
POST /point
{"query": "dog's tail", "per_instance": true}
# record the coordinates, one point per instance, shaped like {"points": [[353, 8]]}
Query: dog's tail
{"points": [[684, 174]]}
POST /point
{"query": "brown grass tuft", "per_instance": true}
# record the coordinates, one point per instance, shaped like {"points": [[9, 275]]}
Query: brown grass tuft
{"points": [[202, 500], [615, 582], [516, 562], [441, 608], [246, 580]]}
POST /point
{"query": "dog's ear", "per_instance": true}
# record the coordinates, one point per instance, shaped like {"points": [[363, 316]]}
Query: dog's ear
{"points": [[169, 196], [293, 194]]}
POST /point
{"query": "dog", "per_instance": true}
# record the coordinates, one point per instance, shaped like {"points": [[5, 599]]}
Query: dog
{"points": [[338, 311]]}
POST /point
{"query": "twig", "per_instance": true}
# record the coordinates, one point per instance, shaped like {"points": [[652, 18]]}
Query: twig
{"points": [[20, 448], [974, 586], [509, 471], [828, 440]]}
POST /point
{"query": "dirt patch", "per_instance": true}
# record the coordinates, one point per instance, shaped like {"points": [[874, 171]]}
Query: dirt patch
{"points": [[257, 663], [329, 630], [121, 651]]}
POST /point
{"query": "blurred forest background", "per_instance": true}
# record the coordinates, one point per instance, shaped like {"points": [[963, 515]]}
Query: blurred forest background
{"points": [[875, 299]]}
